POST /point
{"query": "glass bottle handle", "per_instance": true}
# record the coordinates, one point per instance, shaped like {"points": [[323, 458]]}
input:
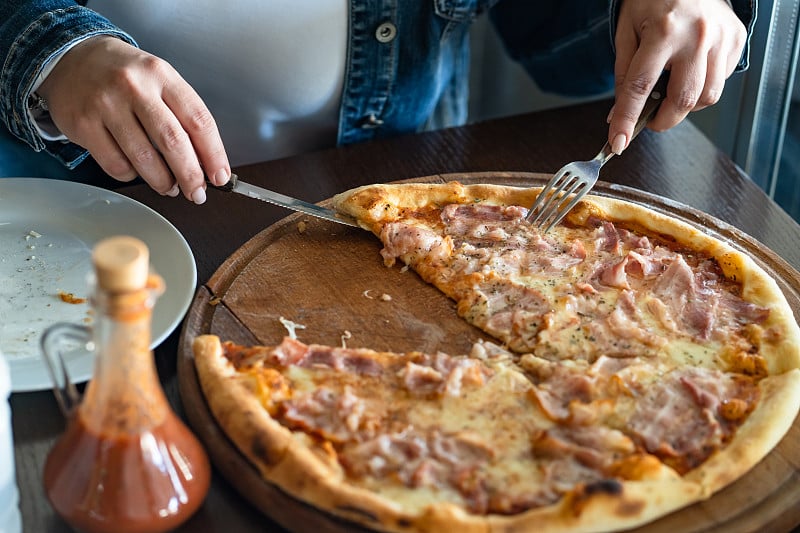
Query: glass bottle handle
{"points": [[53, 341]]}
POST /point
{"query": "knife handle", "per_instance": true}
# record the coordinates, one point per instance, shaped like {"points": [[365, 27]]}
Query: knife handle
{"points": [[228, 187]]}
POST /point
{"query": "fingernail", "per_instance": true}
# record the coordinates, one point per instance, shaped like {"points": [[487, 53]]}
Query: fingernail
{"points": [[618, 144], [221, 177], [174, 191], [199, 196], [610, 115]]}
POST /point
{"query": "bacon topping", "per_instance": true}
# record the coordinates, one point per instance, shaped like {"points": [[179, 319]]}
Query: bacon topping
{"points": [[625, 324], [403, 239], [596, 447], [510, 310], [433, 459], [607, 238], [690, 303], [681, 419], [443, 375], [575, 393], [481, 223], [326, 413], [288, 352]]}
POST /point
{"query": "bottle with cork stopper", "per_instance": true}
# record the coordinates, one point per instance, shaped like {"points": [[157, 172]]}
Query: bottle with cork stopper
{"points": [[126, 463]]}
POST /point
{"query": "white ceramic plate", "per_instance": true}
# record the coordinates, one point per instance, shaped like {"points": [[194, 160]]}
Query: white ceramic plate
{"points": [[47, 231]]}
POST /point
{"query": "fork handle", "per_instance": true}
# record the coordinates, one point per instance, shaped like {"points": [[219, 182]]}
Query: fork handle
{"points": [[605, 154], [653, 102], [649, 110]]}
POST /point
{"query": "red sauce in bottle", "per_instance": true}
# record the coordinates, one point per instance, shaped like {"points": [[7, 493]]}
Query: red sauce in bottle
{"points": [[127, 483], [126, 463]]}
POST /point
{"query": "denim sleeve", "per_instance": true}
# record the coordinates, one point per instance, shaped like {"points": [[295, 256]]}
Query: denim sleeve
{"points": [[32, 32], [562, 44], [567, 46], [744, 9]]}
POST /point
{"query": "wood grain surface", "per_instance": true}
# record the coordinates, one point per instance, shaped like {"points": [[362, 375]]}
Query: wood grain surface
{"points": [[330, 277]]}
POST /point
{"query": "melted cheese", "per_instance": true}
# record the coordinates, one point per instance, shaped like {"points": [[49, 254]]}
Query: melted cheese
{"points": [[486, 429]]}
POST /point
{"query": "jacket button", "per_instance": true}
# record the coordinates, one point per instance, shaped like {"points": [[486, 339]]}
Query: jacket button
{"points": [[386, 32], [370, 122]]}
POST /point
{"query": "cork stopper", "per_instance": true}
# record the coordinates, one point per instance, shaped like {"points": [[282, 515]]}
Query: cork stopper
{"points": [[121, 264]]}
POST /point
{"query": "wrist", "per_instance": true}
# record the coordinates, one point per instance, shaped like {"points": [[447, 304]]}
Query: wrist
{"points": [[43, 85]]}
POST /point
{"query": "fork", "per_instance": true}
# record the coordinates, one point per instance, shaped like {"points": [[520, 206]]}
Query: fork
{"points": [[571, 183]]}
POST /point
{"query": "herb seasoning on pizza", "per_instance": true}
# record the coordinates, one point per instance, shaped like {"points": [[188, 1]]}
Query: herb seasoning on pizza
{"points": [[644, 366]]}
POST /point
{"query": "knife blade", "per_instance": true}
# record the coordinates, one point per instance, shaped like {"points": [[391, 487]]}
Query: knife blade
{"points": [[276, 198]]}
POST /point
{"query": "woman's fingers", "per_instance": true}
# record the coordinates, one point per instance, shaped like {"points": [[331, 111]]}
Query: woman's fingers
{"points": [[201, 128]]}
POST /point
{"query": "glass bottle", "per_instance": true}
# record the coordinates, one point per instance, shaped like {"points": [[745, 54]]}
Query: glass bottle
{"points": [[126, 462]]}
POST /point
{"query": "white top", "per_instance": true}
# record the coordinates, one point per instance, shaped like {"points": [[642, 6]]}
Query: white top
{"points": [[271, 72]]}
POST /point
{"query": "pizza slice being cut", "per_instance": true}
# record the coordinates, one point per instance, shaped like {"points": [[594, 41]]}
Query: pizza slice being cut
{"points": [[615, 279]]}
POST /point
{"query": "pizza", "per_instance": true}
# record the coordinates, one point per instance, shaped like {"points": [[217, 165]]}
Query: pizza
{"points": [[639, 365]]}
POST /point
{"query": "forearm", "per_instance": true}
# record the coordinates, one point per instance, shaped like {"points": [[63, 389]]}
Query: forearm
{"points": [[32, 33]]}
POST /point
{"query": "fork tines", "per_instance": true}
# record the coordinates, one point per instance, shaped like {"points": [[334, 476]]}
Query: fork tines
{"points": [[556, 200]]}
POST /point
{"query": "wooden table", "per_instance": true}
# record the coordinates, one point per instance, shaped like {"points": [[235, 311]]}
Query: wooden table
{"points": [[680, 164]]}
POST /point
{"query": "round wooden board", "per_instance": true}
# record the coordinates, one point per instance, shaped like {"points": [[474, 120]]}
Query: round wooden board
{"points": [[330, 278]]}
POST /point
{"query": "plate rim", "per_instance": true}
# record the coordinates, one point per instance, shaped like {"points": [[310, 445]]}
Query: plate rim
{"points": [[160, 332]]}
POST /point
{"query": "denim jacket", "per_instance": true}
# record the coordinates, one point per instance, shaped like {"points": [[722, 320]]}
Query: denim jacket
{"points": [[407, 64]]}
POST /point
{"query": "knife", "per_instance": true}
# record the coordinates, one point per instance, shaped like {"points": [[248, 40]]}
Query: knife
{"points": [[265, 195]]}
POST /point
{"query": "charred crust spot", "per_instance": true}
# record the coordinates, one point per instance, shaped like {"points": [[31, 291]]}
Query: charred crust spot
{"points": [[261, 449], [605, 486], [582, 495]]}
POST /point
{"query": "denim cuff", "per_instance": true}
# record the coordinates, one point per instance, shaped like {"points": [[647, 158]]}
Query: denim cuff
{"points": [[29, 52], [746, 11]]}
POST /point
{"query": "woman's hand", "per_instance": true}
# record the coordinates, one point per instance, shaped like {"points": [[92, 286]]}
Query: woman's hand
{"points": [[699, 41], [137, 117]]}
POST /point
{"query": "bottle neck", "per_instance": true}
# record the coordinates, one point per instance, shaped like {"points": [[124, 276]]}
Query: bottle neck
{"points": [[124, 393]]}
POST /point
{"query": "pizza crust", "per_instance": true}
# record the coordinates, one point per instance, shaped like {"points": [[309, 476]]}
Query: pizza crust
{"points": [[375, 204], [638, 503], [237, 410]]}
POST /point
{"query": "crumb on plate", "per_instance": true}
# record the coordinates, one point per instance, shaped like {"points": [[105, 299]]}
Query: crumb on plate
{"points": [[70, 298]]}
